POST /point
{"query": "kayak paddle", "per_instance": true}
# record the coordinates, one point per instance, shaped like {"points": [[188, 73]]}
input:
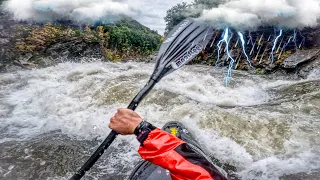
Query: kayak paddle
{"points": [[182, 44]]}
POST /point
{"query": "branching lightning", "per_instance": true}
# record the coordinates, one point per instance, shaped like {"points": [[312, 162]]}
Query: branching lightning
{"points": [[279, 45], [295, 39], [303, 39], [244, 48], [219, 45], [275, 44], [225, 39]]}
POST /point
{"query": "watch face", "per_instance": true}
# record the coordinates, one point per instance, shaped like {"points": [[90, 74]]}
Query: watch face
{"points": [[150, 126], [138, 128]]}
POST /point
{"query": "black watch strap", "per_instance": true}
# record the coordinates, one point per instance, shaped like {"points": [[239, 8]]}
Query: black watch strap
{"points": [[142, 131]]}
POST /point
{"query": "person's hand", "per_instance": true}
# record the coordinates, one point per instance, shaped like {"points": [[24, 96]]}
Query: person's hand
{"points": [[125, 121]]}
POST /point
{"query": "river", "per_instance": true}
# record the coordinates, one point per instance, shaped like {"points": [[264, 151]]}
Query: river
{"points": [[52, 119]]}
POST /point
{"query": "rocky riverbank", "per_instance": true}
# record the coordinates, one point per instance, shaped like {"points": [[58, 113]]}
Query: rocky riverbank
{"points": [[25, 46], [266, 51]]}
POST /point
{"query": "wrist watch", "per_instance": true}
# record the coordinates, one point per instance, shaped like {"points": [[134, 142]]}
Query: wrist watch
{"points": [[142, 131]]}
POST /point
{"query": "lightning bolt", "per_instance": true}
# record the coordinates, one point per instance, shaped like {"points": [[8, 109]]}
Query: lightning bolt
{"points": [[303, 40], [295, 38], [275, 44], [225, 39], [244, 48], [288, 41], [219, 45], [284, 46], [250, 39]]}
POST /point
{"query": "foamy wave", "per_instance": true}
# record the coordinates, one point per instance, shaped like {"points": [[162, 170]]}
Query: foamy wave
{"points": [[78, 99]]}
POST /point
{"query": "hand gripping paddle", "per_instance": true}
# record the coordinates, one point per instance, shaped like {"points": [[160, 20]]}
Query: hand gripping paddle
{"points": [[182, 44]]}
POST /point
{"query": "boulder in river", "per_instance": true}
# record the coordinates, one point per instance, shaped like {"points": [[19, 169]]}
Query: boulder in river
{"points": [[300, 57]]}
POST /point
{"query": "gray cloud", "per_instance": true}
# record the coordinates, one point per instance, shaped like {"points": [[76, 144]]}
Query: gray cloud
{"points": [[149, 13], [250, 14], [240, 14]]}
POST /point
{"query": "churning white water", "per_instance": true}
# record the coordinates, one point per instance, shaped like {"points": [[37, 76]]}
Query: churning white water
{"points": [[52, 119]]}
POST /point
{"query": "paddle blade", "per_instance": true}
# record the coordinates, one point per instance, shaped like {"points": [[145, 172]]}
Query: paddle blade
{"points": [[182, 44]]}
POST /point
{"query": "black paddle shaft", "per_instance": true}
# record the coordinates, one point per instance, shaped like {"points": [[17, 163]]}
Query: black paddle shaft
{"points": [[113, 134]]}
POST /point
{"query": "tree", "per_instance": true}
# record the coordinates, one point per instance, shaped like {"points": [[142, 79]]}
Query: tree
{"points": [[182, 11], [129, 35], [207, 4], [175, 15]]}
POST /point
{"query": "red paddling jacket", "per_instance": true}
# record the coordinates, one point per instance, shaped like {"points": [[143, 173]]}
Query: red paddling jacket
{"points": [[173, 154]]}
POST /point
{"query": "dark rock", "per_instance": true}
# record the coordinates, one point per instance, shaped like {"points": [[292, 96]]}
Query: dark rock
{"points": [[305, 70], [41, 61], [4, 41], [300, 57], [150, 58], [4, 34], [302, 176], [72, 49], [18, 63], [9, 68]]}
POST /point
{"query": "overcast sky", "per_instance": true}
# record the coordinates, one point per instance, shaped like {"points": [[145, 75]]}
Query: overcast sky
{"points": [[239, 14], [148, 12], [153, 12]]}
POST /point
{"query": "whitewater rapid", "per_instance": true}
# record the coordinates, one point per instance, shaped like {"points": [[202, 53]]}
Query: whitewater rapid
{"points": [[52, 119]]}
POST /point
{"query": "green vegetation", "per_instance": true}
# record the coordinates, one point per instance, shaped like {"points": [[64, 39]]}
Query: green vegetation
{"points": [[175, 15], [124, 39], [130, 37], [182, 11]]}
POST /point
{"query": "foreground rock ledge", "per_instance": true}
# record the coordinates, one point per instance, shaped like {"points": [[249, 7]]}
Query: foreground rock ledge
{"points": [[303, 176]]}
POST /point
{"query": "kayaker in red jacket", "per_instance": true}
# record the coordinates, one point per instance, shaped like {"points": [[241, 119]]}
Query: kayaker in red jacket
{"points": [[164, 149]]}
